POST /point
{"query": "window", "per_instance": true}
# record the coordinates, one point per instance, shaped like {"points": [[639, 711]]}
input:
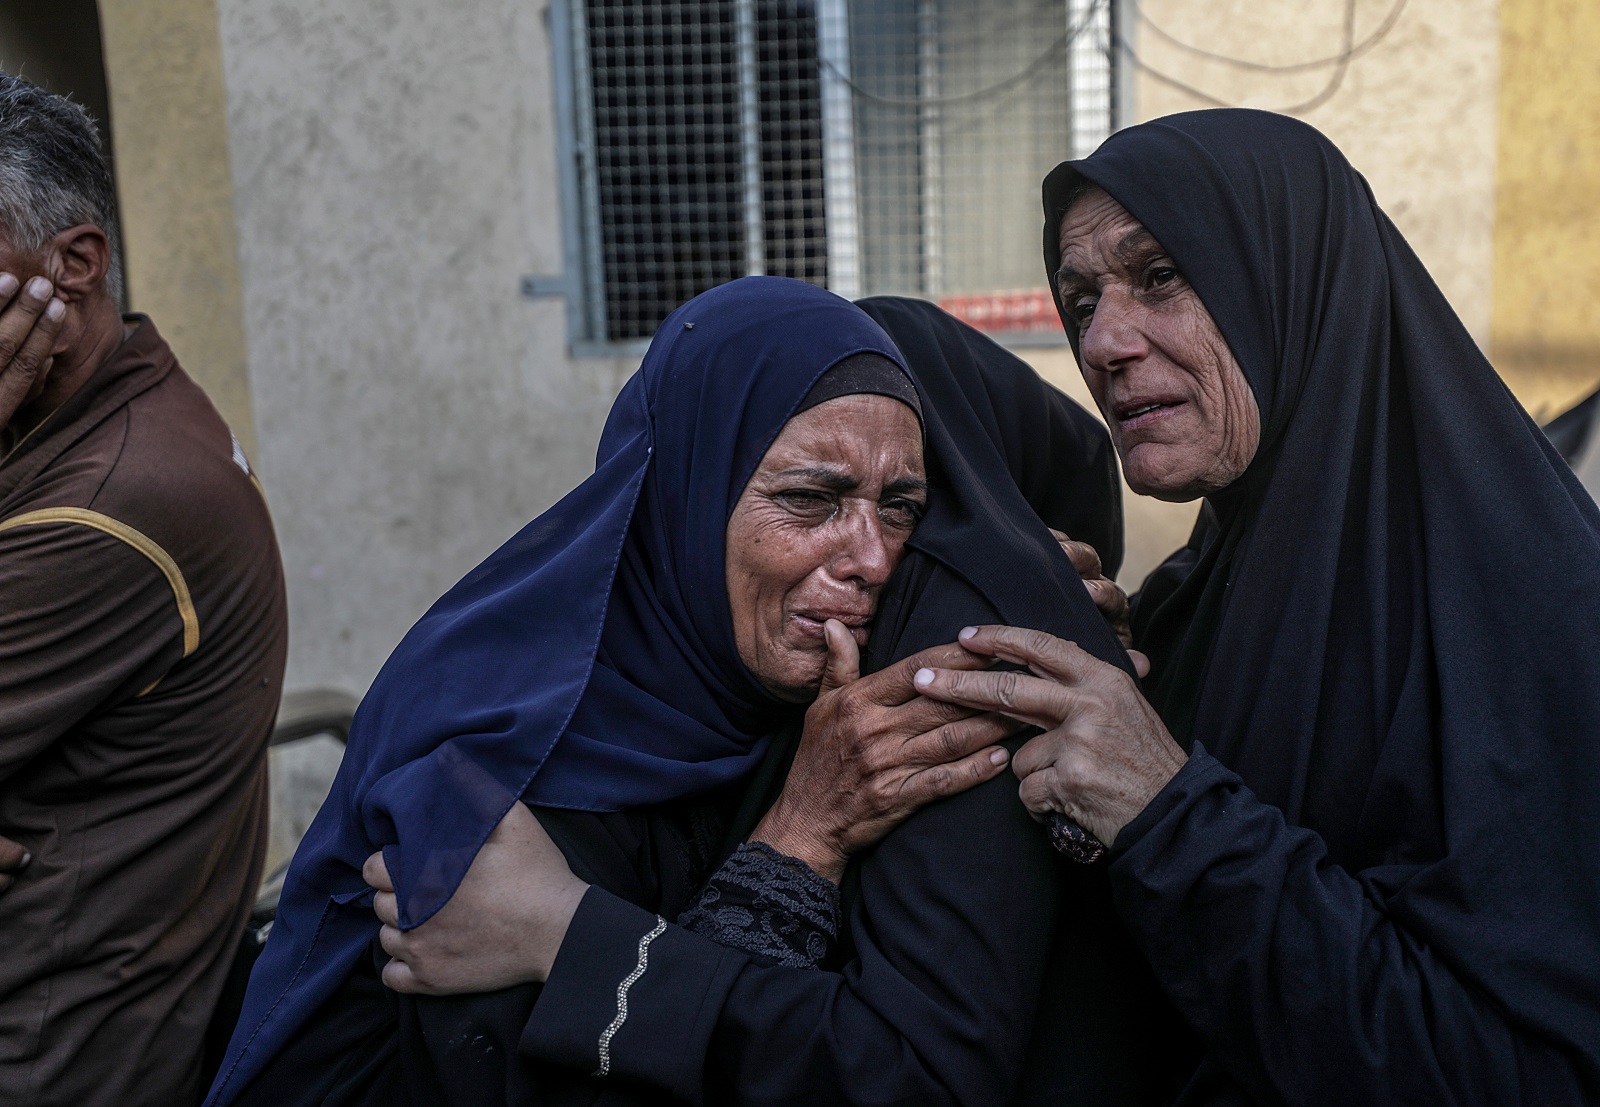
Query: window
{"points": [[871, 146]]}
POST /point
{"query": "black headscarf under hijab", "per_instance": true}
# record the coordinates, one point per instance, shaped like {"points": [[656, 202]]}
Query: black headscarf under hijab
{"points": [[1389, 631], [1007, 455]]}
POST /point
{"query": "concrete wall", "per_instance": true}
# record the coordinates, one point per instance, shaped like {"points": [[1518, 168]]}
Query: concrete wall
{"points": [[1415, 113], [394, 167]]}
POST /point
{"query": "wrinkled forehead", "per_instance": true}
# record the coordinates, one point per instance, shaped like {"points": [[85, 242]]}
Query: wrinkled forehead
{"points": [[1097, 234], [724, 374], [1122, 221], [854, 434]]}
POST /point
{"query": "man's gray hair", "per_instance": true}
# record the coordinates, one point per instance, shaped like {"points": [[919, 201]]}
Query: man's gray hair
{"points": [[53, 172]]}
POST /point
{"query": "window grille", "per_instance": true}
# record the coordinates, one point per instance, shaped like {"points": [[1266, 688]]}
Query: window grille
{"points": [[869, 146]]}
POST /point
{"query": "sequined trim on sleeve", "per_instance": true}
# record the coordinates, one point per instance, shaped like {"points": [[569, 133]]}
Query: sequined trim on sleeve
{"points": [[768, 905], [622, 995]]}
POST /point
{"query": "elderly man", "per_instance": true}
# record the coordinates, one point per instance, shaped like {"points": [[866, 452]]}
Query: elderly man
{"points": [[142, 633]]}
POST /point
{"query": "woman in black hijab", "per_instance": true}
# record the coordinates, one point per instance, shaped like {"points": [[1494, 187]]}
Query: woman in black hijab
{"points": [[1365, 864], [974, 965]]}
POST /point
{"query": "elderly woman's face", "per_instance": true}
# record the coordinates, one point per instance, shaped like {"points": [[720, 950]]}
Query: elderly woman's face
{"points": [[818, 530], [1181, 413]]}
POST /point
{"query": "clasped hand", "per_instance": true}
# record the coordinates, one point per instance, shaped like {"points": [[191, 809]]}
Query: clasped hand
{"points": [[873, 751], [502, 927], [1104, 753]]}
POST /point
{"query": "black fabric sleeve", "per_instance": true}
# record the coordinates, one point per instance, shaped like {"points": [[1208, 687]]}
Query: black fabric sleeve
{"points": [[944, 953], [1304, 988], [769, 905], [649, 989]]}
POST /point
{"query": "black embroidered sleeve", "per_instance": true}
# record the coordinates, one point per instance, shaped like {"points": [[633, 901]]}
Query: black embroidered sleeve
{"points": [[770, 906]]}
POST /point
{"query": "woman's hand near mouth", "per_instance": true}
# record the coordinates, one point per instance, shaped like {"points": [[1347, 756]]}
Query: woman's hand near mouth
{"points": [[874, 751]]}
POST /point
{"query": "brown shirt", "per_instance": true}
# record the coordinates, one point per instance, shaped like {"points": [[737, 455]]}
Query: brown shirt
{"points": [[142, 636]]}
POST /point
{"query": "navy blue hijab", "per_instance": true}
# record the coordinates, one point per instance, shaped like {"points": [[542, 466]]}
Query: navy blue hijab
{"points": [[1386, 626], [589, 663]]}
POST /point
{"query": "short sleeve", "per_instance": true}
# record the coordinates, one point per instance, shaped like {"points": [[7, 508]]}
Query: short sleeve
{"points": [[89, 619]]}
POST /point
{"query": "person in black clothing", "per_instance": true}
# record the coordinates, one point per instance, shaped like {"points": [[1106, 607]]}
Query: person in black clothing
{"points": [[1358, 847], [962, 960]]}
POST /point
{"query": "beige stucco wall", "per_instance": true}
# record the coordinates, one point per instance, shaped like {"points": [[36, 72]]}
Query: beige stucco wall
{"points": [[1546, 326], [1416, 113], [170, 128], [394, 167]]}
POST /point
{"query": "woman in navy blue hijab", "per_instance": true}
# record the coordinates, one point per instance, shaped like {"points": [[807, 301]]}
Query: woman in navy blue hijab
{"points": [[961, 960], [617, 665]]}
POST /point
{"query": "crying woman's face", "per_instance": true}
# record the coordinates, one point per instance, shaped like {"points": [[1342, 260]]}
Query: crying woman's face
{"points": [[817, 531]]}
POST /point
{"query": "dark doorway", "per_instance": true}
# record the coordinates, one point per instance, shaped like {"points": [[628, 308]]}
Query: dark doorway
{"points": [[57, 45]]}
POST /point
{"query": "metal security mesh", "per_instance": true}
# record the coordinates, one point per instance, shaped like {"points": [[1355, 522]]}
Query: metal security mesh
{"points": [[960, 110], [872, 146], [788, 94], [1093, 75]]}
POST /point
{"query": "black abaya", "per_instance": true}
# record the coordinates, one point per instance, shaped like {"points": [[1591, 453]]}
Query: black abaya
{"points": [[1376, 880]]}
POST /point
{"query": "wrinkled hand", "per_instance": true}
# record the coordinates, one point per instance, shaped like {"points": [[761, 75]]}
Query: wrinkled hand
{"points": [[30, 321], [1107, 594], [13, 859], [503, 926], [1104, 753], [874, 751]]}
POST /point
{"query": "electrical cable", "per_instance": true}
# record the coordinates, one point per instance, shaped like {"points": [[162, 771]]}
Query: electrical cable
{"points": [[1349, 54], [1341, 61]]}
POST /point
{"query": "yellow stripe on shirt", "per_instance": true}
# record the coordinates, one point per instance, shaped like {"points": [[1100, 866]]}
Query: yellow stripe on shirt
{"points": [[122, 531]]}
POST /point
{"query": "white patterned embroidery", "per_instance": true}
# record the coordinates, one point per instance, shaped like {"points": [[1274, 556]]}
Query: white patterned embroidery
{"points": [[622, 995]]}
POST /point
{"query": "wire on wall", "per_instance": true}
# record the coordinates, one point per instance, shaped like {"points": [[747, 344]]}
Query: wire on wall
{"points": [[1350, 51]]}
